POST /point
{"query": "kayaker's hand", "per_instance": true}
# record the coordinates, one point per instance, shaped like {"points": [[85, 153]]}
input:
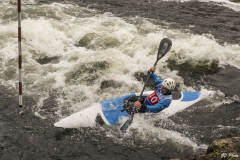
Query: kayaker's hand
{"points": [[153, 69], [138, 104]]}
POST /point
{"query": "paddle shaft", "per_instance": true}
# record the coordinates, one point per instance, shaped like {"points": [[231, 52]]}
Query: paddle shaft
{"points": [[124, 126], [146, 82]]}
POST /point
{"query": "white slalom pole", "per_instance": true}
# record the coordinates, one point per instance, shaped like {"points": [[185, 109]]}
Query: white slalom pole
{"points": [[19, 54]]}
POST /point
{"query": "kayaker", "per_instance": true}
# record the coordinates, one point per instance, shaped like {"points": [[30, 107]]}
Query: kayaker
{"points": [[160, 98]]}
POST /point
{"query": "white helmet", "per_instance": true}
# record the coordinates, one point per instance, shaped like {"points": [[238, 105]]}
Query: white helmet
{"points": [[169, 83]]}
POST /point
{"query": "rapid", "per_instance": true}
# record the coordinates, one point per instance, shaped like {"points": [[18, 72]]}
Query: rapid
{"points": [[75, 56]]}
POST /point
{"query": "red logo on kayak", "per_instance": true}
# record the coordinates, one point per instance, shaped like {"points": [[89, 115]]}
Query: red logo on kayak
{"points": [[153, 98]]}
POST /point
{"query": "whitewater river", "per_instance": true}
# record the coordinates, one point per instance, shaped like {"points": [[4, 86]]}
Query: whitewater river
{"points": [[77, 53]]}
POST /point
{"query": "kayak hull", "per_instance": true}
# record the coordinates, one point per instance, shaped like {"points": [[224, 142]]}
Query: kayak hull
{"points": [[84, 118], [109, 111]]}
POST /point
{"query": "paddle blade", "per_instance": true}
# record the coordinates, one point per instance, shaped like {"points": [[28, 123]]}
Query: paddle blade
{"points": [[164, 47], [127, 123]]}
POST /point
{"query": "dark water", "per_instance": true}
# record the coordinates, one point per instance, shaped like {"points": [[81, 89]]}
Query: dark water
{"points": [[221, 22], [26, 136]]}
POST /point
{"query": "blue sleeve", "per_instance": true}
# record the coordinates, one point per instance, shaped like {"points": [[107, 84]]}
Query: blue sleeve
{"points": [[158, 107], [155, 79]]}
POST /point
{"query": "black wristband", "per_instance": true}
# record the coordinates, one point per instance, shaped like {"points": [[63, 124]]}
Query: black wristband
{"points": [[143, 108]]}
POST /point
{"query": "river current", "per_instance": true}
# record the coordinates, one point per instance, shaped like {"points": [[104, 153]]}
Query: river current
{"points": [[77, 53]]}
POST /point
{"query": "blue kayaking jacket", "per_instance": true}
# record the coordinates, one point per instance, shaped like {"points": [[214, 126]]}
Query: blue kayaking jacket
{"points": [[156, 102]]}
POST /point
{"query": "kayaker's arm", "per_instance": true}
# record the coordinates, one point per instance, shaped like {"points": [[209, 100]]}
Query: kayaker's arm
{"points": [[154, 78], [157, 107]]}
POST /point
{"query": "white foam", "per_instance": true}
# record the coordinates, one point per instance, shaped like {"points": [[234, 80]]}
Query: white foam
{"points": [[226, 3], [23, 2], [135, 52], [204, 48], [143, 128]]}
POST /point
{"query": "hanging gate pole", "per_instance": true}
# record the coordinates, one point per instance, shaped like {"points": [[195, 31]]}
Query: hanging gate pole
{"points": [[19, 53]]}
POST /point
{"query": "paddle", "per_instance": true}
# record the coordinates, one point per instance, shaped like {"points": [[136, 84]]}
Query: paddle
{"points": [[164, 47]]}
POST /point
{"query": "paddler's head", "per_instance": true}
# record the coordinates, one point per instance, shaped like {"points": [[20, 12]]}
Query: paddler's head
{"points": [[167, 86]]}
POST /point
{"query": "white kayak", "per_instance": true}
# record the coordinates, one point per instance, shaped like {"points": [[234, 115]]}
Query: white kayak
{"points": [[109, 111]]}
